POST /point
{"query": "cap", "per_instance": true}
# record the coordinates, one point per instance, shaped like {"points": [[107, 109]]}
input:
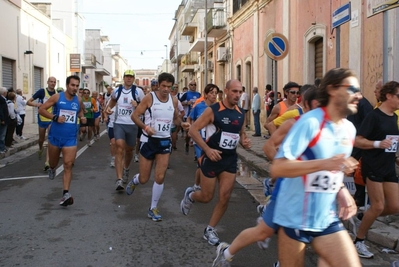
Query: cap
{"points": [[129, 73], [154, 82]]}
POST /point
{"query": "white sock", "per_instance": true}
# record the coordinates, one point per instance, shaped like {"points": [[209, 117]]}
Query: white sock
{"points": [[136, 180], [227, 254], [157, 190]]}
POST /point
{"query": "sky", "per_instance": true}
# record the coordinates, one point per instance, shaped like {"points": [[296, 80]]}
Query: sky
{"points": [[141, 27]]}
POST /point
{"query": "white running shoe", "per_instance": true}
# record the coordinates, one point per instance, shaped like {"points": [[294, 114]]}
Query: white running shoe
{"points": [[362, 250]]}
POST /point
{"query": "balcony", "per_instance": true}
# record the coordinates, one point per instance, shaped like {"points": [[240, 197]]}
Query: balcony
{"points": [[102, 71], [188, 61], [199, 44], [90, 61], [216, 22]]}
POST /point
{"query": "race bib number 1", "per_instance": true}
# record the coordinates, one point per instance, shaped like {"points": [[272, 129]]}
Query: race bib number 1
{"points": [[324, 182], [394, 146], [229, 140], [70, 115]]}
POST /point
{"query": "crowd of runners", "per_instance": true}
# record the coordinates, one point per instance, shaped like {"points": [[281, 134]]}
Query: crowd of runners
{"points": [[312, 133]]}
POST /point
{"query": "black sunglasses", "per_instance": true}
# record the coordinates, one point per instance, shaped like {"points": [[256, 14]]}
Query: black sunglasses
{"points": [[193, 84], [350, 88], [294, 92]]}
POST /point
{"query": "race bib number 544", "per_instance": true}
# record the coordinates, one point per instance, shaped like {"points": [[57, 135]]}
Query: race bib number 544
{"points": [[229, 140], [324, 182]]}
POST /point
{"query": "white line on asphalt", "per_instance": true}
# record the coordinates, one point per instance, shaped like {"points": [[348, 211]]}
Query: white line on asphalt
{"points": [[59, 169]]}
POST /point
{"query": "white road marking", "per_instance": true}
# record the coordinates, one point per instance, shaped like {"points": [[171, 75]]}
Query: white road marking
{"points": [[59, 169]]}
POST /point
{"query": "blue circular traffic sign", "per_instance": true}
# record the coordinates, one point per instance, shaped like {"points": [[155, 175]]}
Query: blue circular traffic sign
{"points": [[276, 46]]}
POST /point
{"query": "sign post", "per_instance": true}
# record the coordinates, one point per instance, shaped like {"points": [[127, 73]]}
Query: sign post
{"points": [[276, 47], [340, 16]]}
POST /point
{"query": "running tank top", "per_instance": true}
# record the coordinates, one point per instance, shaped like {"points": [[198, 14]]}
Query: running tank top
{"points": [[224, 133], [159, 117], [88, 106], [70, 110], [50, 109], [283, 108]]}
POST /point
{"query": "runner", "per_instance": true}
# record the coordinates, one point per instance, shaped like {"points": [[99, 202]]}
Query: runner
{"points": [[90, 104], [378, 136], [125, 98], [312, 160], [62, 136], [225, 130], [210, 93], [42, 95], [187, 100], [159, 109]]}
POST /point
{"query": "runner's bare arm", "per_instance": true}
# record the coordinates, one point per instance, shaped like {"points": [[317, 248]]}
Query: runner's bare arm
{"points": [[140, 110]]}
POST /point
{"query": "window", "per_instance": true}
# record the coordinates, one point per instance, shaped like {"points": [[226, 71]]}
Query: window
{"points": [[237, 4]]}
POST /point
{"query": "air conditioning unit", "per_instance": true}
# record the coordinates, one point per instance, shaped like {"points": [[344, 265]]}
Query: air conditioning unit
{"points": [[221, 54], [209, 65]]}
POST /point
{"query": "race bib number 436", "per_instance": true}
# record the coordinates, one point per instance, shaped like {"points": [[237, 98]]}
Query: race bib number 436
{"points": [[324, 182], [229, 140]]}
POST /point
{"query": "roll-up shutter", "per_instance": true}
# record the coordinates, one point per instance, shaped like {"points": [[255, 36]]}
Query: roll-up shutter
{"points": [[319, 58], [37, 81], [7, 72]]}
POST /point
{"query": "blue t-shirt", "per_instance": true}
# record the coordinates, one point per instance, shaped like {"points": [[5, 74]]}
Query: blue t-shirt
{"points": [[196, 113], [190, 96], [309, 202]]}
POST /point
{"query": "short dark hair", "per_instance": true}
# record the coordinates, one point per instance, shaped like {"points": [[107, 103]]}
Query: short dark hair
{"points": [[388, 88], [290, 85], [209, 87], [333, 77], [268, 87], [164, 76], [75, 77], [310, 94]]}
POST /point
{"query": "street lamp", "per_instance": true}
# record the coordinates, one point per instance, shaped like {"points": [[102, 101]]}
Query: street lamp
{"points": [[166, 57]]}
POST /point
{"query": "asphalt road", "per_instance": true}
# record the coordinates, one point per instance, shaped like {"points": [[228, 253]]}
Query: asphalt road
{"points": [[107, 228]]}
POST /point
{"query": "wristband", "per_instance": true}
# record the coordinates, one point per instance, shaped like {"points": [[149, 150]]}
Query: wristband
{"points": [[376, 144], [145, 129], [55, 118]]}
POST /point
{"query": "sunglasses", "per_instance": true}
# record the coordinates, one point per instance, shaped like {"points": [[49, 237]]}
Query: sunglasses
{"points": [[350, 88], [193, 84], [294, 92], [86, 93]]}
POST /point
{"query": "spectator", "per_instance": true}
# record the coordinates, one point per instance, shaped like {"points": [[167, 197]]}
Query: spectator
{"points": [[21, 106], [12, 114], [3, 119], [256, 111]]}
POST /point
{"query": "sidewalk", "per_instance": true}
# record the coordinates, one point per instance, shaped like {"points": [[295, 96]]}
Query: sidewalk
{"points": [[31, 132], [384, 232]]}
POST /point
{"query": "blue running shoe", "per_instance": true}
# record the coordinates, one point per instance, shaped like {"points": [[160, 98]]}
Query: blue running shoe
{"points": [[267, 187], [131, 186], [154, 215]]}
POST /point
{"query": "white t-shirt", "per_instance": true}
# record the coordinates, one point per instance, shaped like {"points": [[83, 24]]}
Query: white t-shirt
{"points": [[244, 97], [124, 108]]}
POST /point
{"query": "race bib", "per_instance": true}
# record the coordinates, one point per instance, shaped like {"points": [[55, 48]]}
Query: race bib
{"points": [[70, 115], [87, 104], [394, 146], [125, 110], [229, 140], [162, 125], [324, 182]]}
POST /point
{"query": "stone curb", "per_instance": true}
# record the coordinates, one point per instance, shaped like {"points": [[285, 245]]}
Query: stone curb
{"points": [[19, 147]]}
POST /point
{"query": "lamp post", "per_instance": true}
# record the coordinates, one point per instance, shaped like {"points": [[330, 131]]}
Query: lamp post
{"points": [[166, 57]]}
